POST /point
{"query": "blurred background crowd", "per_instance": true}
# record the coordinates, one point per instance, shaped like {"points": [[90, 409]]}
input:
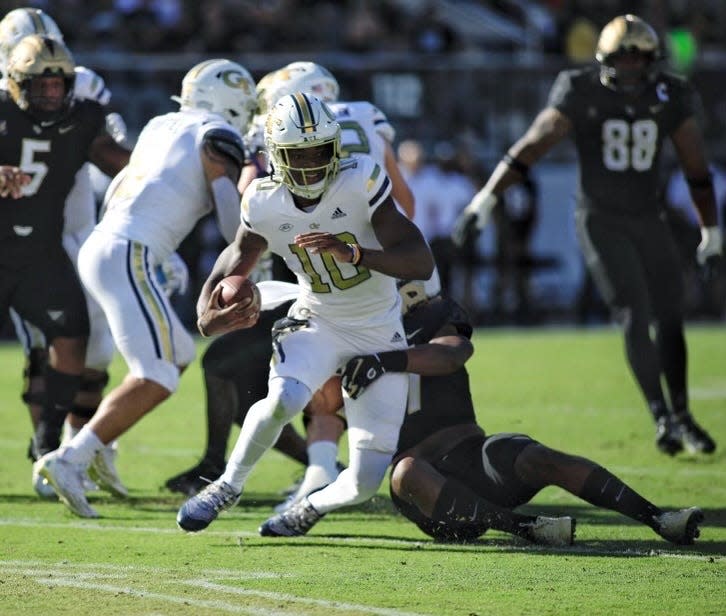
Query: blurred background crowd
{"points": [[429, 26], [460, 80]]}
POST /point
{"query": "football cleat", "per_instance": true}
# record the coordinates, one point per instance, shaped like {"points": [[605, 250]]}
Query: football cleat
{"points": [[192, 481], [46, 491], [552, 531], [201, 510], [293, 522], [67, 481], [316, 478], [42, 487], [103, 471], [667, 436], [88, 484], [695, 438], [680, 526]]}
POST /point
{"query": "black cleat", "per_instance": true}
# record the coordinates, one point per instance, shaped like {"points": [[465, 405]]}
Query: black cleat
{"points": [[695, 438], [668, 436], [194, 480]]}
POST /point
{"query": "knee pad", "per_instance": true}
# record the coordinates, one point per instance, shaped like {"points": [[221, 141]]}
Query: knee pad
{"points": [[84, 411], [94, 383], [290, 397]]}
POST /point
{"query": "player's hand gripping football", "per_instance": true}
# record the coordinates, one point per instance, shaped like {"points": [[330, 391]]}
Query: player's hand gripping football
{"points": [[219, 320], [12, 181]]}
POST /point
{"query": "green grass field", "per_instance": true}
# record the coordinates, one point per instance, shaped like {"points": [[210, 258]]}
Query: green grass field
{"points": [[570, 389]]}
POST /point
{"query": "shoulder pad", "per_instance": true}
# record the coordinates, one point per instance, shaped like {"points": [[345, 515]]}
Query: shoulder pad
{"points": [[227, 142]]}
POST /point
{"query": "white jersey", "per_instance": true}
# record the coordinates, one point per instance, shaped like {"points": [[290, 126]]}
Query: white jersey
{"points": [[163, 191], [338, 292], [364, 129]]}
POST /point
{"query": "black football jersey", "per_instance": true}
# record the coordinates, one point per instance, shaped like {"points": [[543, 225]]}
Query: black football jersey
{"points": [[435, 402], [52, 156], [619, 138]]}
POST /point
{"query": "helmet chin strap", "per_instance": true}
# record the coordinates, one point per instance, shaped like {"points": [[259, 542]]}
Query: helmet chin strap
{"points": [[49, 118], [609, 78]]}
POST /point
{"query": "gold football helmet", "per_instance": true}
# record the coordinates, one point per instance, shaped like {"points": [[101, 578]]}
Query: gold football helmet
{"points": [[18, 24], [626, 34], [38, 57]]}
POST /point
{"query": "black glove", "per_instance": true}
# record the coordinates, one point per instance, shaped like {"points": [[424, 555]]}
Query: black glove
{"points": [[362, 370], [712, 269]]}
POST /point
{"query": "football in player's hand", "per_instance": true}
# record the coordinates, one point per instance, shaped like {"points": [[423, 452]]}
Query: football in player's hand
{"points": [[237, 288]]}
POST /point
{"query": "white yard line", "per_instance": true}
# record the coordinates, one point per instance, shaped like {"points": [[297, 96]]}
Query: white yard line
{"points": [[403, 543], [115, 579]]}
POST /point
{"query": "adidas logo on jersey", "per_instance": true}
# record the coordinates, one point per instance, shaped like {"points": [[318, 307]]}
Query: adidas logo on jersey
{"points": [[397, 337], [338, 213]]}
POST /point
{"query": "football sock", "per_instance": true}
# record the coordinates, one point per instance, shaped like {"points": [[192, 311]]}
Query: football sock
{"points": [[261, 428], [460, 507], [644, 363], [82, 447], [292, 445], [322, 468], [658, 408], [324, 454], [603, 489], [250, 446], [671, 345], [356, 484]]}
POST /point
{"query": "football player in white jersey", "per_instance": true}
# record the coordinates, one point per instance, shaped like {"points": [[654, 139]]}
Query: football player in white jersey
{"points": [[80, 217], [336, 226], [188, 163], [365, 129]]}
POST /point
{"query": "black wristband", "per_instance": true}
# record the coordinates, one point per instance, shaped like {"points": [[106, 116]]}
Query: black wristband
{"points": [[700, 183], [515, 164], [394, 361]]}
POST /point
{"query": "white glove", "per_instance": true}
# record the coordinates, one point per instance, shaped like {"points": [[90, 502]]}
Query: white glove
{"points": [[173, 275], [483, 203], [474, 216], [711, 244], [90, 86]]}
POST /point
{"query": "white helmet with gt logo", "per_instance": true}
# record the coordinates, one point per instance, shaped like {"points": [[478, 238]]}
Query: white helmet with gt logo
{"points": [[223, 87], [302, 138]]}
